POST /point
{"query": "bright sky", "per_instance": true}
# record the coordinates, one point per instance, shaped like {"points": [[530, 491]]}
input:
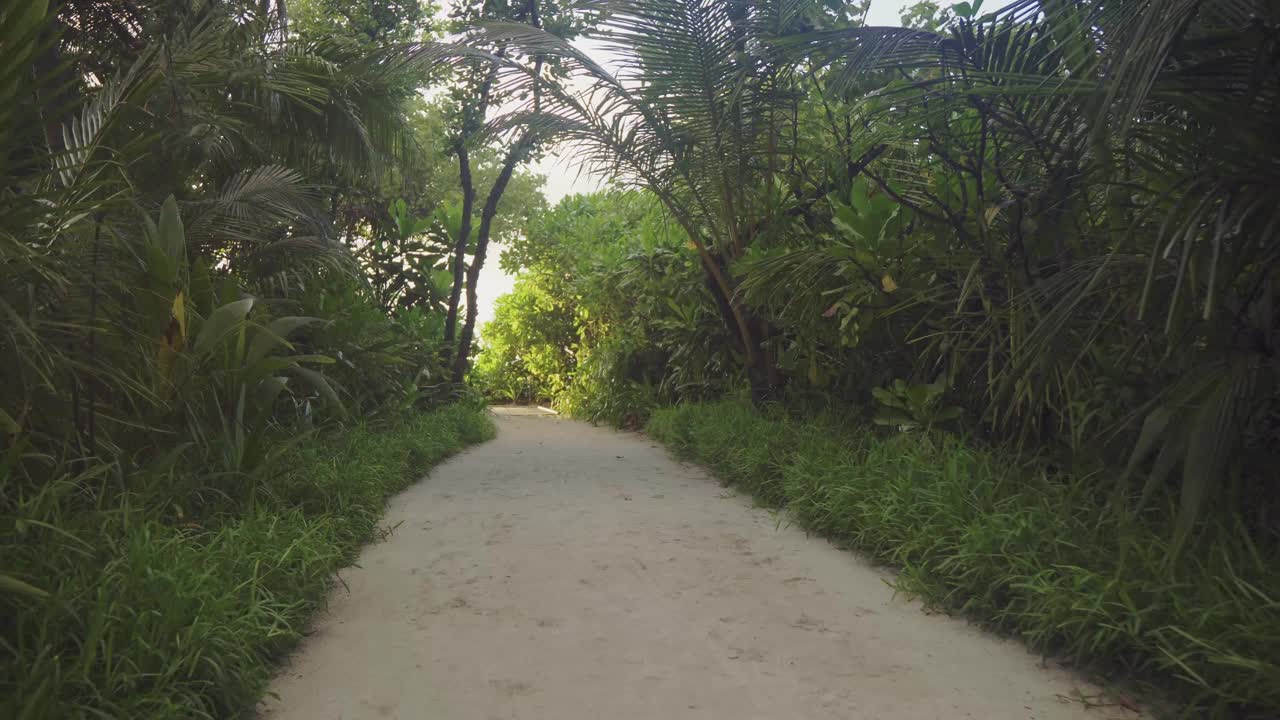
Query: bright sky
{"points": [[564, 177]]}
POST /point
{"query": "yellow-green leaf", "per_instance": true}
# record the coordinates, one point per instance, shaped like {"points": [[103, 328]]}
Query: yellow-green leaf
{"points": [[8, 424], [10, 584]]}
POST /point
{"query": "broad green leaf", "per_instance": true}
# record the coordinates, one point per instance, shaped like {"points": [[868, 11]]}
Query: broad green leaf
{"points": [[255, 372], [171, 237], [7, 424], [888, 398], [276, 335], [922, 395], [201, 287], [950, 412], [160, 267], [14, 586], [894, 418], [265, 397], [224, 321], [322, 386]]}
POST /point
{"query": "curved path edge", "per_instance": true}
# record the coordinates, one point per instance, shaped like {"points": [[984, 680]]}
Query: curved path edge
{"points": [[571, 572]]}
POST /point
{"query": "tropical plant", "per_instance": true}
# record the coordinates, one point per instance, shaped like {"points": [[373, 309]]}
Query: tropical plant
{"points": [[185, 304], [913, 407], [160, 213], [1109, 216]]}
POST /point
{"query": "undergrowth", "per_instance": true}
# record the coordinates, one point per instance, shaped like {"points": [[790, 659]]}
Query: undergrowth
{"points": [[158, 613], [1002, 541]]}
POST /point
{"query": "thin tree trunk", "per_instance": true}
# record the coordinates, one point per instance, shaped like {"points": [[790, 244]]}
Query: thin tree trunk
{"points": [[463, 357], [462, 353], [459, 249], [57, 99], [749, 330]]}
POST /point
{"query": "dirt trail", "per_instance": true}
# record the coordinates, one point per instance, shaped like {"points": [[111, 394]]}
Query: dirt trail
{"points": [[565, 572]]}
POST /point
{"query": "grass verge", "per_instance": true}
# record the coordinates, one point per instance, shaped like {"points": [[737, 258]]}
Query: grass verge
{"points": [[156, 614], [983, 533]]}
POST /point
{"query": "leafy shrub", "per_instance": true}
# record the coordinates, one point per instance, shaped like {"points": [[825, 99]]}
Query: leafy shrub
{"points": [[383, 363], [602, 389], [913, 407], [1003, 541], [528, 346], [610, 317]]}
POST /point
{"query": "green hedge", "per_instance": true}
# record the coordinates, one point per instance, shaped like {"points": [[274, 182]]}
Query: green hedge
{"points": [[1002, 541], [153, 617]]}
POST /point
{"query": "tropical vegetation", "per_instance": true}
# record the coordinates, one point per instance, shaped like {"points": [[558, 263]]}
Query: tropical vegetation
{"points": [[1017, 547], [1049, 230], [224, 268], [990, 296]]}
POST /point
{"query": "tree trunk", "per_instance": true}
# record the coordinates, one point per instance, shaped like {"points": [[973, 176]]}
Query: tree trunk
{"points": [[462, 360], [459, 250], [55, 89], [750, 332]]}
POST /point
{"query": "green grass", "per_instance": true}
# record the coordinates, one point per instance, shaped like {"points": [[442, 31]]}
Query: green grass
{"points": [[997, 538], [155, 614]]}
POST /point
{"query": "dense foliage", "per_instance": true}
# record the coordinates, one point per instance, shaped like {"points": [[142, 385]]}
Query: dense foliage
{"points": [[609, 316], [1053, 229], [1064, 214], [227, 224], [183, 617], [218, 236], [172, 286]]}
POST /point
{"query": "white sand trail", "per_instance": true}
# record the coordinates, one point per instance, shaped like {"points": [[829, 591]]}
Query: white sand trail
{"points": [[566, 572]]}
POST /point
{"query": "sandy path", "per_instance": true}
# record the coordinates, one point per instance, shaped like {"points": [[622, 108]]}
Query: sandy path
{"points": [[568, 572]]}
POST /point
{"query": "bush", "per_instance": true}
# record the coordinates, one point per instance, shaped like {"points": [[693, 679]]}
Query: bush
{"points": [[154, 613], [1006, 543], [382, 363], [603, 391], [528, 346]]}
